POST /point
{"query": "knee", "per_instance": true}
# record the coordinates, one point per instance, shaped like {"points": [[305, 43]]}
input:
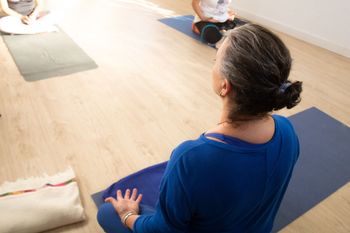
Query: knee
{"points": [[195, 29], [105, 213]]}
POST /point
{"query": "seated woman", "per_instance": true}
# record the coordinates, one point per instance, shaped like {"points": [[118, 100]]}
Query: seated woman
{"points": [[212, 18], [25, 17], [233, 177]]}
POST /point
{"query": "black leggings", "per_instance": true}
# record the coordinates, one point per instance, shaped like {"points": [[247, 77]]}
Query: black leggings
{"points": [[210, 32]]}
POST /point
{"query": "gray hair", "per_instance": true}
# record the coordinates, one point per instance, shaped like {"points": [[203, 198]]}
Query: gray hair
{"points": [[257, 63]]}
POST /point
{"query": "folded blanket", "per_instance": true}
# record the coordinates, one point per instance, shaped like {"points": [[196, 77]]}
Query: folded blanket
{"points": [[40, 203]]}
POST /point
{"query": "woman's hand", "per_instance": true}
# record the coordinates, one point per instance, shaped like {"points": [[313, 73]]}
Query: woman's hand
{"points": [[26, 20], [231, 15], [212, 20], [34, 15], [127, 203]]}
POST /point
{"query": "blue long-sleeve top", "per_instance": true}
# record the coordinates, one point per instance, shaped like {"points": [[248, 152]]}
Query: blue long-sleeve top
{"points": [[210, 186]]}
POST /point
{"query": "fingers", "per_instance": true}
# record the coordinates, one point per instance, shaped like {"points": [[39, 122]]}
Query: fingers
{"points": [[113, 202], [110, 200], [139, 198], [212, 20], [127, 194], [27, 20], [133, 197], [24, 19], [119, 194], [134, 194]]}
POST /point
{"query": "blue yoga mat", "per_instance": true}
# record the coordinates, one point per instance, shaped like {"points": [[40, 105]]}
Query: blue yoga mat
{"points": [[323, 165], [322, 168], [184, 24]]}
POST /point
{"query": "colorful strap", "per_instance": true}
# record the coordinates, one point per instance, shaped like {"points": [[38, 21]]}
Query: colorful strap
{"points": [[33, 190]]}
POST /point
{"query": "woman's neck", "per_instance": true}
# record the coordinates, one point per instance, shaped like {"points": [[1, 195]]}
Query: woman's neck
{"points": [[253, 129]]}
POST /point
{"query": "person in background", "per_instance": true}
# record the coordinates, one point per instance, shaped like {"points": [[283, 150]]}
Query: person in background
{"points": [[233, 177], [25, 17], [212, 19]]}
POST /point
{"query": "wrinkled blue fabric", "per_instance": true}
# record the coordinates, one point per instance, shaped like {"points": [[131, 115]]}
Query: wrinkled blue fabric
{"points": [[209, 186], [147, 181]]}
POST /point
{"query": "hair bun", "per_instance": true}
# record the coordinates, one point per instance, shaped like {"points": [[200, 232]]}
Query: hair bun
{"points": [[288, 95]]}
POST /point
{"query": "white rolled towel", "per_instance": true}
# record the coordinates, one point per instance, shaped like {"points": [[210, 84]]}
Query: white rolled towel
{"points": [[40, 203], [14, 25]]}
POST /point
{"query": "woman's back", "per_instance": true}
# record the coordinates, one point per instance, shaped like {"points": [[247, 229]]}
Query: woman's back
{"points": [[210, 186], [226, 185]]}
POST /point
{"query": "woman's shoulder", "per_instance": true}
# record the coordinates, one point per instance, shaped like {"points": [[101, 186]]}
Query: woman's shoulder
{"points": [[282, 121], [284, 126], [188, 146], [189, 150]]}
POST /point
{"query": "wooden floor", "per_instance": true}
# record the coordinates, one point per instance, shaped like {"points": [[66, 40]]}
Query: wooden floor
{"points": [[152, 90]]}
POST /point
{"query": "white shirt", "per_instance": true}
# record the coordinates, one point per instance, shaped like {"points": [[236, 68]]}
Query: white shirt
{"points": [[216, 9]]}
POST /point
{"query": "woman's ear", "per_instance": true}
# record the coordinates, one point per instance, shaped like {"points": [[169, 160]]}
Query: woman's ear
{"points": [[226, 87]]}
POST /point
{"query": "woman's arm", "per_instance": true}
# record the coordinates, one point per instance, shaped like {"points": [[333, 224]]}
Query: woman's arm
{"points": [[131, 220], [7, 10], [173, 211], [37, 9], [198, 10], [231, 14]]}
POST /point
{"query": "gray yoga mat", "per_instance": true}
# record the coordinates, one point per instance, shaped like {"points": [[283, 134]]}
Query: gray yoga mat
{"points": [[46, 55]]}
